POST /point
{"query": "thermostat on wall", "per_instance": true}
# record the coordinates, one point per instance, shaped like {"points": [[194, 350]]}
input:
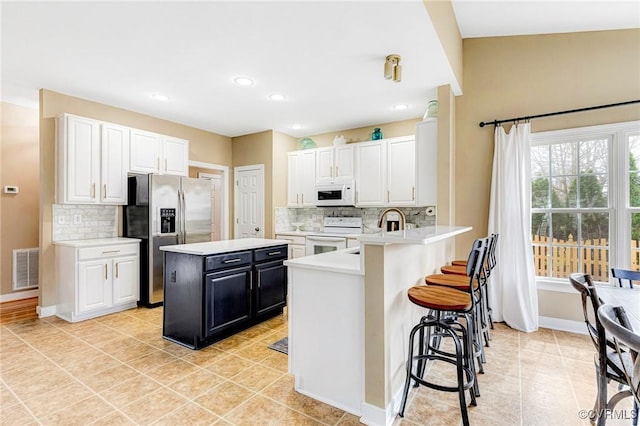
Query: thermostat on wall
{"points": [[11, 189]]}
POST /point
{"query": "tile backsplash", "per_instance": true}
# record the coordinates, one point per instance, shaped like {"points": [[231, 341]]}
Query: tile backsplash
{"points": [[95, 222], [312, 218]]}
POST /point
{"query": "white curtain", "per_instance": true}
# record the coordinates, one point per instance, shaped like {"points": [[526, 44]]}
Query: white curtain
{"points": [[512, 289]]}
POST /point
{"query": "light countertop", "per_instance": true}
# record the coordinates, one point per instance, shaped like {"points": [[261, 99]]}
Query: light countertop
{"points": [[425, 235], [217, 247], [94, 242], [343, 261], [307, 233]]}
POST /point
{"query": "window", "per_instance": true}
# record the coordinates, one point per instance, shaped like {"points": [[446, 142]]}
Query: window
{"points": [[585, 200]]}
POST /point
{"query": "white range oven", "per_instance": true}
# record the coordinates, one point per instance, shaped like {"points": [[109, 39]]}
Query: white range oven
{"points": [[334, 235]]}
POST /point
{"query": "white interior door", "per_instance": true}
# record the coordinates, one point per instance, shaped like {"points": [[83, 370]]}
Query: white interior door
{"points": [[249, 201], [216, 203]]}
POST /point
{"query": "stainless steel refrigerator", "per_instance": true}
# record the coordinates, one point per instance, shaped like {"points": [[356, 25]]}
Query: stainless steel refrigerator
{"points": [[164, 210]]}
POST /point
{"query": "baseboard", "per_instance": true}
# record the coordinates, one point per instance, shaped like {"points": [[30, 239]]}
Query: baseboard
{"points": [[374, 416], [18, 296], [46, 311], [562, 325]]}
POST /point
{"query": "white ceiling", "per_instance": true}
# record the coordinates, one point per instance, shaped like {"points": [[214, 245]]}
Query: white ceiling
{"points": [[325, 57]]}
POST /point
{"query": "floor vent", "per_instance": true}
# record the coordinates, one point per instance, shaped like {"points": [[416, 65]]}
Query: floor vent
{"points": [[25, 268]]}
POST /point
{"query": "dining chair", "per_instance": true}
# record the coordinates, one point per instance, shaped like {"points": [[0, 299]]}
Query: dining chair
{"points": [[627, 341], [605, 349], [626, 275]]}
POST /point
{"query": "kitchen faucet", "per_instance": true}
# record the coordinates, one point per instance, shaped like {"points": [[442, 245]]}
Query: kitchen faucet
{"points": [[403, 219]]}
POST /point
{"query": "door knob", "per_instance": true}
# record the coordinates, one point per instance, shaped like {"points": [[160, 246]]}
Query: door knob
{"points": [[257, 229]]}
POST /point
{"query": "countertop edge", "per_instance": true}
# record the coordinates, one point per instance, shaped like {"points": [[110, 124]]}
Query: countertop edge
{"points": [[224, 246], [94, 242]]}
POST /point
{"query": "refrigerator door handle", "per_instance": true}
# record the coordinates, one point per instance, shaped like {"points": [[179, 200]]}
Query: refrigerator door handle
{"points": [[183, 217]]}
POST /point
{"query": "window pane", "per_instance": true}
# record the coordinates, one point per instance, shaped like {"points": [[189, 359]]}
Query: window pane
{"points": [[634, 189], [593, 191], [542, 260], [540, 193], [539, 161], [595, 261], [595, 229], [635, 231], [564, 159], [634, 152], [564, 228], [563, 192], [564, 259], [594, 156]]}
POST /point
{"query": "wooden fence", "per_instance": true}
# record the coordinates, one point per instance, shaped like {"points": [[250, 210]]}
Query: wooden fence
{"points": [[562, 258]]}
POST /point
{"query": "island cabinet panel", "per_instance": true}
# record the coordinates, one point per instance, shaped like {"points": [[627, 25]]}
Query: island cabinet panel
{"points": [[210, 297]]}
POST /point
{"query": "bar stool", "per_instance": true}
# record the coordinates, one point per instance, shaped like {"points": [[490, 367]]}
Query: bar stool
{"points": [[445, 306]]}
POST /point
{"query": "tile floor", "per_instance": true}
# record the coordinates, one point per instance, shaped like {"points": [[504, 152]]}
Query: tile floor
{"points": [[117, 369]]}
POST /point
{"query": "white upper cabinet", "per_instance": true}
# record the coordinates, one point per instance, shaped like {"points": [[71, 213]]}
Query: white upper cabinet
{"points": [[370, 160], [154, 153], [401, 172], [427, 163], [334, 164], [301, 178], [91, 161]]}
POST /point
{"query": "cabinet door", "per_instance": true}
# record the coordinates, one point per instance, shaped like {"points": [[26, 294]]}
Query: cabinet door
{"points": [[125, 278], [324, 165], [371, 174], [227, 298], [144, 152], [401, 172], [93, 285], [307, 178], [79, 164], [296, 250], [115, 158], [293, 182], [176, 156], [271, 286], [343, 162]]}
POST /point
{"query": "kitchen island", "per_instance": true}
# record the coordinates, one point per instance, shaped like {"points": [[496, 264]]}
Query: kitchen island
{"points": [[215, 289], [350, 318]]}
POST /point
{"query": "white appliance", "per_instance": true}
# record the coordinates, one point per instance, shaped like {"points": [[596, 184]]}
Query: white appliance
{"points": [[336, 194], [334, 236]]}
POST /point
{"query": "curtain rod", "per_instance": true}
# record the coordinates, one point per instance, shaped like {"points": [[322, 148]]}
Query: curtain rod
{"points": [[529, 117]]}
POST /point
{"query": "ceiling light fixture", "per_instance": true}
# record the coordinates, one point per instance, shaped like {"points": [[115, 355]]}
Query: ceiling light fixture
{"points": [[296, 126], [392, 68], [159, 97], [277, 97], [400, 107], [243, 81]]}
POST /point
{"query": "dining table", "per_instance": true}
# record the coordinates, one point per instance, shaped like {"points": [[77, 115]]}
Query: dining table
{"points": [[629, 299]]}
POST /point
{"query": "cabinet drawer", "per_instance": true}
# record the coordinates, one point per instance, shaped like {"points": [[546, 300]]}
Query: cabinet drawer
{"points": [[292, 239], [227, 260], [271, 253], [107, 251]]}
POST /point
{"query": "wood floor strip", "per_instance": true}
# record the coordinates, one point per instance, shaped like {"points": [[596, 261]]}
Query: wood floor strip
{"points": [[18, 310]]}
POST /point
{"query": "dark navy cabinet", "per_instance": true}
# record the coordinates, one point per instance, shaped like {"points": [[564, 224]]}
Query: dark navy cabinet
{"points": [[208, 298]]}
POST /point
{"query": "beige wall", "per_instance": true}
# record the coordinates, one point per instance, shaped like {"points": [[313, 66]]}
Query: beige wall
{"points": [[19, 166], [361, 134], [204, 146], [281, 145], [444, 21], [249, 150], [446, 157], [516, 76]]}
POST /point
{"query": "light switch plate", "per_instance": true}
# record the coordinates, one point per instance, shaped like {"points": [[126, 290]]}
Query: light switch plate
{"points": [[77, 219], [10, 189]]}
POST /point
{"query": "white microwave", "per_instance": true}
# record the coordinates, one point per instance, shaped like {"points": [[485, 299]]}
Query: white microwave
{"points": [[336, 194]]}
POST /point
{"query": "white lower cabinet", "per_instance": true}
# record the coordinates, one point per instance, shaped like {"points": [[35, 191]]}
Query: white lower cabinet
{"points": [[96, 277], [296, 245]]}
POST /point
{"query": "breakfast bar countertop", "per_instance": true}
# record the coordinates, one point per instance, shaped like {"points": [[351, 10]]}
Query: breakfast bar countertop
{"points": [[224, 246], [425, 235]]}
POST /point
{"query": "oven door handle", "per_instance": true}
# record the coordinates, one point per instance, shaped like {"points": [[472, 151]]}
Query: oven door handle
{"points": [[327, 239]]}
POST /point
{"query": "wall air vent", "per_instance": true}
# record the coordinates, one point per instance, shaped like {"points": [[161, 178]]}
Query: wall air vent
{"points": [[25, 268]]}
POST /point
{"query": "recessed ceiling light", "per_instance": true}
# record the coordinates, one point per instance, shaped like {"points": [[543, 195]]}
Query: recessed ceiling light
{"points": [[400, 107], [243, 81], [296, 126], [277, 97], [159, 97]]}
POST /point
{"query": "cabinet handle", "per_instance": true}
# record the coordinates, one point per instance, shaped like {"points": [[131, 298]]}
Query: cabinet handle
{"points": [[259, 275], [111, 251], [105, 190], [388, 196], [105, 271], [165, 164], [331, 171], [413, 193], [117, 269], [273, 253], [297, 198], [337, 174], [232, 261], [93, 190], [357, 197], [302, 199], [158, 163]]}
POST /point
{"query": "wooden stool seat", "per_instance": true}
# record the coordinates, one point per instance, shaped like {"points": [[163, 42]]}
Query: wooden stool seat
{"points": [[454, 270], [440, 298], [449, 280], [459, 263]]}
